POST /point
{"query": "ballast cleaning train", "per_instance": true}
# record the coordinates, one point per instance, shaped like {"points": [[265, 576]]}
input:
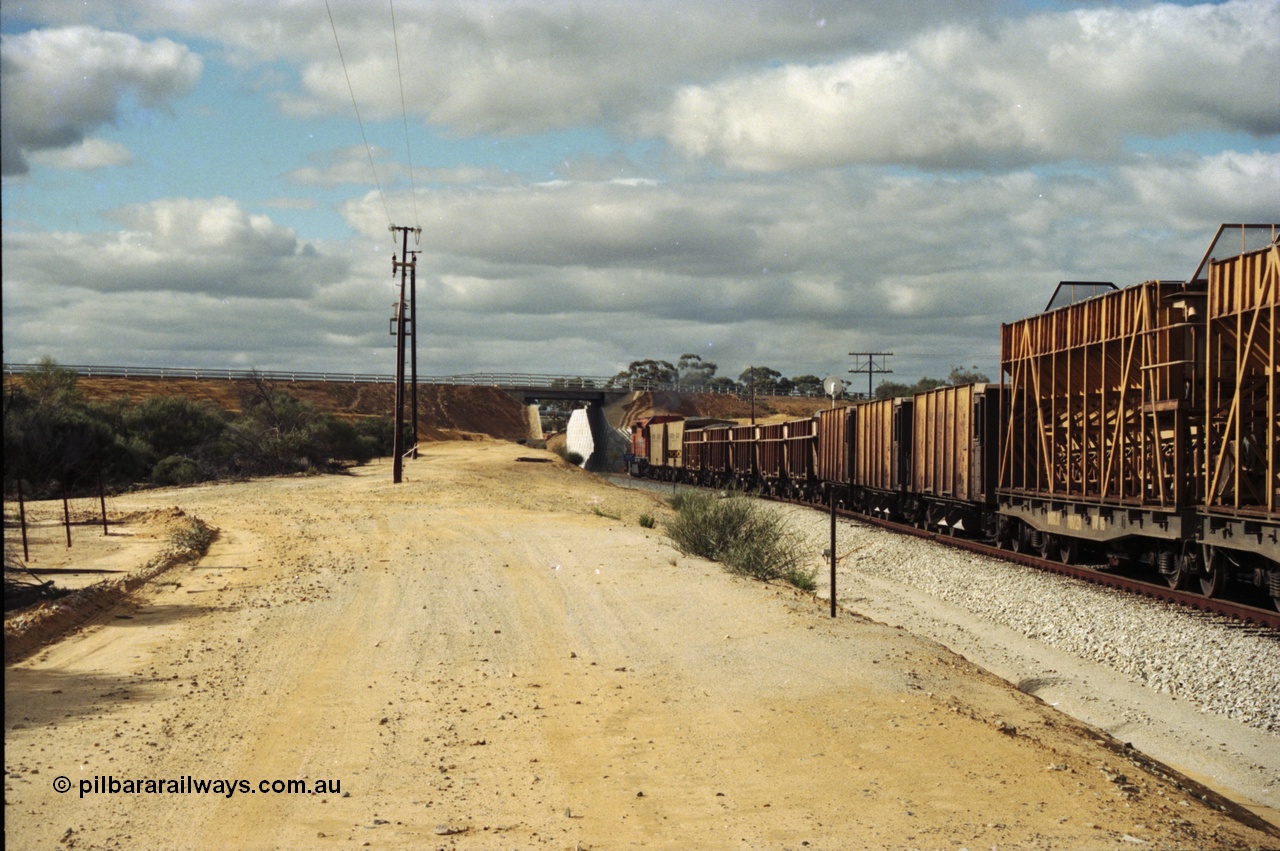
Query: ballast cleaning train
{"points": [[1141, 424]]}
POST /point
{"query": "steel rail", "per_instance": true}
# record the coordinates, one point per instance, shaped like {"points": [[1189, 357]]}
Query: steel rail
{"points": [[1268, 618], [1238, 611]]}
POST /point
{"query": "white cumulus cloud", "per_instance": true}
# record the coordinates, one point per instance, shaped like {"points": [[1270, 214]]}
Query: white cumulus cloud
{"points": [[1047, 88], [59, 85], [88, 155], [195, 245]]}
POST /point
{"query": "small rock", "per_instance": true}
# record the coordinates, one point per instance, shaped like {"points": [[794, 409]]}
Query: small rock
{"points": [[449, 830]]}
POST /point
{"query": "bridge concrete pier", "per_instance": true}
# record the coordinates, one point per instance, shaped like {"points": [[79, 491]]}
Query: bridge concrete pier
{"points": [[599, 437], [535, 421], [590, 435]]}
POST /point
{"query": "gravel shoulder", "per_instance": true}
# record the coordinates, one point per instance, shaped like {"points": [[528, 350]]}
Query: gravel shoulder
{"points": [[496, 654]]}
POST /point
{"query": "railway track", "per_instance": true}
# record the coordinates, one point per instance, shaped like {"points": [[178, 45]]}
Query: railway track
{"points": [[1155, 590], [1243, 612]]}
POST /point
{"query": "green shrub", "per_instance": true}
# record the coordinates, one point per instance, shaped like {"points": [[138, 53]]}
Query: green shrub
{"points": [[679, 497], [574, 458], [647, 521], [173, 425], [175, 470], [378, 434], [748, 538]]}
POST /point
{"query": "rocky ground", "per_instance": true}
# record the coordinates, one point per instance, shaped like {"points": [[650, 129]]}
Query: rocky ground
{"points": [[497, 654]]}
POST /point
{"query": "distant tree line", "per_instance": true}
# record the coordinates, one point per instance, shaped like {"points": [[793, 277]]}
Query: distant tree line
{"points": [[957, 376], [54, 436], [692, 373]]}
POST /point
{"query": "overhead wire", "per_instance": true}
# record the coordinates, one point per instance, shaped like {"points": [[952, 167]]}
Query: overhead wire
{"points": [[368, 150], [404, 112]]}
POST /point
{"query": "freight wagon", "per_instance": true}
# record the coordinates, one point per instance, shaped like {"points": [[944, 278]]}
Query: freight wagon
{"points": [[1100, 439], [881, 453], [954, 459], [1239, 522]]}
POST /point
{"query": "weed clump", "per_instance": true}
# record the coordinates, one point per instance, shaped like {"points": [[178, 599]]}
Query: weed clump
{"points": [[745, 536], [192, 538]]}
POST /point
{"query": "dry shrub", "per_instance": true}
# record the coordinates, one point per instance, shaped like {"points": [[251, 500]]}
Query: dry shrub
{"points": [[744, 535]]}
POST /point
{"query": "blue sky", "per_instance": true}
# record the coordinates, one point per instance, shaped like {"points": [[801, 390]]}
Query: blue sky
{"points": [[185, 183]]}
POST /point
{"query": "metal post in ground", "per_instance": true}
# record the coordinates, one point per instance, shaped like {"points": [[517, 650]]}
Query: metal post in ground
{"points": [[22, 519], [102, 498], [66, 509], [833, 552]]}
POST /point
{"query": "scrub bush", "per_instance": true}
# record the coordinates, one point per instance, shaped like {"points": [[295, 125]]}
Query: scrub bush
{"points": [[744, 535]]}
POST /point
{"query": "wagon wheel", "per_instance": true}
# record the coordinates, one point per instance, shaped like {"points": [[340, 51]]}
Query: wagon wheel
{"points": [[1049, 547], [1178, 568], [1068, 550], [1017, 537], [991, 530], [1005, 532], [1213, 578]]}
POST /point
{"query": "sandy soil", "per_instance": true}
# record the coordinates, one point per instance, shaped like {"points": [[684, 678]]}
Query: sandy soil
{"points": [[495, 654], [129, 540]]}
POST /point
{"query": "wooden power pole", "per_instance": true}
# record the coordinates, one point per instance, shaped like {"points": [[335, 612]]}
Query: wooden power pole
{"points": [[870, 367], [403, 265]]}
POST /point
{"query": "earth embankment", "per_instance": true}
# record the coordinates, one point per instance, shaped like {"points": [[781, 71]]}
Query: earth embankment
{"points": [[718, 405], [444, 411]]}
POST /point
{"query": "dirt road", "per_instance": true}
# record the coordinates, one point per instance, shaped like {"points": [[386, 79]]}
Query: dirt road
{"points": [[495, 654]]}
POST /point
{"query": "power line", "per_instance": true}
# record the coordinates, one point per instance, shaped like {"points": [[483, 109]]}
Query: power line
{"points": [[413, 188], [367, 149]]}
